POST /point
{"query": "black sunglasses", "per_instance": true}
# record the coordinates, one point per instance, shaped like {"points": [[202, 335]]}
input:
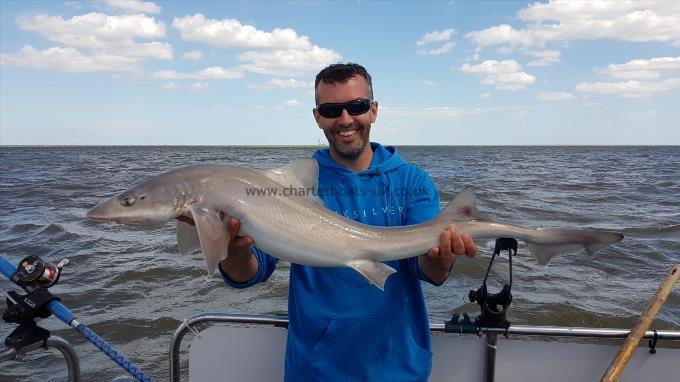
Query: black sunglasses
{"points": [[334, 110]]}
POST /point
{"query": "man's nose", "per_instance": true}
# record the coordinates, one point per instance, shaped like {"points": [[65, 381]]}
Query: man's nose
{"points": [[345, 118]]}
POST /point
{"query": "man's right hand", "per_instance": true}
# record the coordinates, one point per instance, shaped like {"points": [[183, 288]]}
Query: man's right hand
{"points": [[238, 245], [240, 265]]}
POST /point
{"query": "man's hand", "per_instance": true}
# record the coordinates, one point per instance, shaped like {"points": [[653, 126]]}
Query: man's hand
{"points": [[436, 264], [240, 265], [239, 246]]}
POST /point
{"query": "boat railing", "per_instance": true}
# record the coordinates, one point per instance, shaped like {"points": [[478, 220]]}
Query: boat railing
{"points": [[66, 349], [203, 320]]}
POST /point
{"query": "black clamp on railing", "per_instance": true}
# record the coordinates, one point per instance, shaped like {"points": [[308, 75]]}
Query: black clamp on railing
{"points": [[24, 311], [652, 343], [493, 306]]}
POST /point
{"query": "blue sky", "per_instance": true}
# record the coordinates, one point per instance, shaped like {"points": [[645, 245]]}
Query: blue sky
{"points": [[447, 73]]}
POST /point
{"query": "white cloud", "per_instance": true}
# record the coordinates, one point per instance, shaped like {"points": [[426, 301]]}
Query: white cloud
{"points": [[436, 36], [643, 113], [544, 57], [453, 111], [429, 83], [499, 35], [230, 33], [281, 83], [644, 70], [445, 111], [194, 55], [135, 6], [283, 52], [193, 87], [629, 89], [200, 86], [555, 96], [504, 75], [212, 73], [436, 51], [485, 95], [290, 62], [637, 78], [170, 86], [291, 103], [103, 33], [68, 60], [562, 21]]}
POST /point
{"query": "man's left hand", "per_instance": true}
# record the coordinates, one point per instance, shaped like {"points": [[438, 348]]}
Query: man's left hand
{"points": [[436, 264]]}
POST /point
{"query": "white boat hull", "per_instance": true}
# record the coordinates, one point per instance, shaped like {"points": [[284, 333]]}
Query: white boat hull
{"points": [[257, 353]]}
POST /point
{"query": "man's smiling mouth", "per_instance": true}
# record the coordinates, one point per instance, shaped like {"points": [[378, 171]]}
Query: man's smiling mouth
{"points": [[347, 133]]}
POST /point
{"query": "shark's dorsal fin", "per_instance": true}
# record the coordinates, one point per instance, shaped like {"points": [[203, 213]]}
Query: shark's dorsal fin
{"points": [[301, 173], [462, 207]]}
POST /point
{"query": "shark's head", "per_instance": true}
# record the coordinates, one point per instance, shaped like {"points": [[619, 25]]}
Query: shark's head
{"points": [[149, 203]]}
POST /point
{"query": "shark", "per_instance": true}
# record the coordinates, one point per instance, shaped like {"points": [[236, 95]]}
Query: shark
{"points": [[296, 227]]}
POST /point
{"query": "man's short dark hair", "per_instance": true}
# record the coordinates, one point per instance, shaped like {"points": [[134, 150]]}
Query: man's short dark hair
{"points": [[341, 73]]}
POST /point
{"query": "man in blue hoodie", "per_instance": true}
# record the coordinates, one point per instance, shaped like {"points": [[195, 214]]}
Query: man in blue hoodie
{"points": [[341, 327]]}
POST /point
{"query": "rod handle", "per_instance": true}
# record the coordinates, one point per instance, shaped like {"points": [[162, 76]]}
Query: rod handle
{"points": [[633, 340]]}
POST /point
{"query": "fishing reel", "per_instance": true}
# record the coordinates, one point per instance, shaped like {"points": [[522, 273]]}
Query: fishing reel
{"points": [[493, 306], [34, 272], [35, 276]]}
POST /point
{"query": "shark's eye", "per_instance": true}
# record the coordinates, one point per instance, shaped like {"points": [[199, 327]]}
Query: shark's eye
{"points": [[127, 201]]}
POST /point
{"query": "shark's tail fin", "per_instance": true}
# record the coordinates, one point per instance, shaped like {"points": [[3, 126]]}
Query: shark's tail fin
{"points": [[544, 243], [551, 242]]}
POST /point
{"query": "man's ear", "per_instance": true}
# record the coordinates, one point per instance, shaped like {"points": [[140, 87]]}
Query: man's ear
{"points": [[317, 118], [374, 111]]}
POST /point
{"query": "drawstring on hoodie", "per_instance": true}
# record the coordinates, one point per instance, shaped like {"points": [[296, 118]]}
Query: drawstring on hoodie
{"points": [[384, 161], [390, 195]]}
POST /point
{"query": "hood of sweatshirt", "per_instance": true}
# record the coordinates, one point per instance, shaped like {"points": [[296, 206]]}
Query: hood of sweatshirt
{"points": [[385, 159]]}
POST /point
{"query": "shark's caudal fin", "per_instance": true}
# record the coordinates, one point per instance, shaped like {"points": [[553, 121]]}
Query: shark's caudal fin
{"points": [[374, 272], [570, 241], [462, 207]]}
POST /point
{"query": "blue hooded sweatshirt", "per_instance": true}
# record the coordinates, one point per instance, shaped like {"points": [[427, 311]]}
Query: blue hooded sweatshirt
{"points": [[341, 328]]}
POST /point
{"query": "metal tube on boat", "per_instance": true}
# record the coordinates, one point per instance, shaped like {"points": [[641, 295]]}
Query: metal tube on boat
{"points": [[65, 315], [626, 351], [490, 362]]}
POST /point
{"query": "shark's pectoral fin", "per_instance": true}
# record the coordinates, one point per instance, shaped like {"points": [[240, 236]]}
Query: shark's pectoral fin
{"points": [[374, 272], [212, 233], [187, 238]]}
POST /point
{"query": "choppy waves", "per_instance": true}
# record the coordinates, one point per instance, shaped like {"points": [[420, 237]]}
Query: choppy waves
{"points": [[130, 285]]}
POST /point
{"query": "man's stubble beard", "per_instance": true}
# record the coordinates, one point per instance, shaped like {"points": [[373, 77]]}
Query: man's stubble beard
{"points": [[353, 152]]}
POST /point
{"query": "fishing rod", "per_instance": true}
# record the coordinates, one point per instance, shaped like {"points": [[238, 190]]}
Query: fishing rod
{"points": [[35, 276]]}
